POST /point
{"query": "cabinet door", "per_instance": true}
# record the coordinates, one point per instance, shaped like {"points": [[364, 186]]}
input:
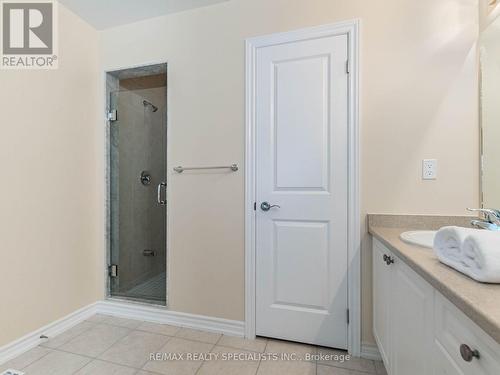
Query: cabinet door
{"points": [[443, 363], [411, 321], [453, 329], [382, 302]]}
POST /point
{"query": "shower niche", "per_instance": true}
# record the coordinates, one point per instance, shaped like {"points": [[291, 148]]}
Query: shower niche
{"points": [[137, 200]]}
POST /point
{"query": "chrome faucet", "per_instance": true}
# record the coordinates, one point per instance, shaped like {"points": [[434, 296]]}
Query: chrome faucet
{"points": [[491, 220]]}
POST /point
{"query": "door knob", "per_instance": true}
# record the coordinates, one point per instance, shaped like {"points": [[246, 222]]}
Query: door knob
{"points": [[266, 206]]}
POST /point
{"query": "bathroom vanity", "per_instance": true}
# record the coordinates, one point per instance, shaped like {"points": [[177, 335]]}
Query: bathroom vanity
{"points": [[429, 318]]}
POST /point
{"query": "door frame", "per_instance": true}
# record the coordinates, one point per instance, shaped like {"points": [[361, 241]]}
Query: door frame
{"points": [[351, 29], [105, 171]]}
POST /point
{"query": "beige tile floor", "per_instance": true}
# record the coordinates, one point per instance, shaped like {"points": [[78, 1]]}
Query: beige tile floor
{"points": [[105, 345]]}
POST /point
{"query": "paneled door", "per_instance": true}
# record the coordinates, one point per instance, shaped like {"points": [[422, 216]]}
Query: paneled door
{"points": [[302, 190]]}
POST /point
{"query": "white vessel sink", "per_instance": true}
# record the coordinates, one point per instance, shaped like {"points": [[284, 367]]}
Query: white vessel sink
{"points": [[424, 238]]}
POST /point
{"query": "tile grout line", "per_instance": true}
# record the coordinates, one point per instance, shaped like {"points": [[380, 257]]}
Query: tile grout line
{"points": [[105, 350], [93, 359], [145, 364], [218, 340], [260, 361], [140, 368], [119, 364], [36, 360], [68, 352], [83, 366], [71, 338], [203, 362]]}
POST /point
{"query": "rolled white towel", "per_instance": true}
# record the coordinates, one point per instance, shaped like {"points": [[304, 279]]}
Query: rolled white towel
{"points": [[448, 243], [481, 256]]}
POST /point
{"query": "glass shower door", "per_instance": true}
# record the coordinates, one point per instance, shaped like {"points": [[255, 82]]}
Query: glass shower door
{"points": [[137, 209]]}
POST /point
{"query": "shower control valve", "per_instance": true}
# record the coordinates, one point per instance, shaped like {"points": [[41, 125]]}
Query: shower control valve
{"points": [[145, 178]]}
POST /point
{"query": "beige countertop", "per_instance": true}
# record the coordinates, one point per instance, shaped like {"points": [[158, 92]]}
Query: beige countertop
{"points": [[480, 302]]}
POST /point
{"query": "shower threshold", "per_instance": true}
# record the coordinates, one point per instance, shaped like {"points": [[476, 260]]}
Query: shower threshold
{"points": [[152, 291]]}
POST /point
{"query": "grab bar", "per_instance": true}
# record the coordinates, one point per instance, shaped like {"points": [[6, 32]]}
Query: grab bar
{"points": [[233, 167]]}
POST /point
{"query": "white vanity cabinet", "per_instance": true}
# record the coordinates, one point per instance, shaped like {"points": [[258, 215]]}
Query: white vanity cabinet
{"points": [[403, 310], [420, 332]]}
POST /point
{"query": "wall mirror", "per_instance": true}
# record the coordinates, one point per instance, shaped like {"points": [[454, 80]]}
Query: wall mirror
{"points": [[489, 47]]}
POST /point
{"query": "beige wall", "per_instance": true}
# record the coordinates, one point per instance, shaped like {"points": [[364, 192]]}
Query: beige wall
{"points": [[418, 100], [50, 242]]}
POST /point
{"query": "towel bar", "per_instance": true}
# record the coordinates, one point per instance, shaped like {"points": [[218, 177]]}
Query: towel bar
{"points": [[233, 167]]}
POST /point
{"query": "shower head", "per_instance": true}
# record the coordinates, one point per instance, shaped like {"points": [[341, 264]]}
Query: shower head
{"points": [[146, 104]]}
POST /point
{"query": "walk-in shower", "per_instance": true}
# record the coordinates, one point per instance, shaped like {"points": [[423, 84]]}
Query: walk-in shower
{"points": [[137, 215]]}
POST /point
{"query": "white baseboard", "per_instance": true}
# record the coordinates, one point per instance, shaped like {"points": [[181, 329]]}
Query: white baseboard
{"points": [[31, 340], [121, 309], [370, 351], [156, 314]]}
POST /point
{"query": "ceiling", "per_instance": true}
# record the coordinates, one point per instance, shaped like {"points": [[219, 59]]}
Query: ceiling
{"points": [[103, 14]]}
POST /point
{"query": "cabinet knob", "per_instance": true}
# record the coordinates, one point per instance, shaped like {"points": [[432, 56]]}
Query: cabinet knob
{"points": [[388, 259], [467, 353]]}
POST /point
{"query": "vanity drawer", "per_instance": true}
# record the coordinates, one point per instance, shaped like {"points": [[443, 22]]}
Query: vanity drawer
{"points": [[453, 329]]}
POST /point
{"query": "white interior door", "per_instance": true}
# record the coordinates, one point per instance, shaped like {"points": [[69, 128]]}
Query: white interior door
{"points": [[301, 166]]}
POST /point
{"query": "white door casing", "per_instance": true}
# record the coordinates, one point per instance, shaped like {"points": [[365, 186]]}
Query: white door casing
{"points": [[301, 155]]}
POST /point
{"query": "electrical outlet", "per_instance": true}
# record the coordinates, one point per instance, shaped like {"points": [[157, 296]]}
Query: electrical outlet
{"points": [[429, 169]]}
